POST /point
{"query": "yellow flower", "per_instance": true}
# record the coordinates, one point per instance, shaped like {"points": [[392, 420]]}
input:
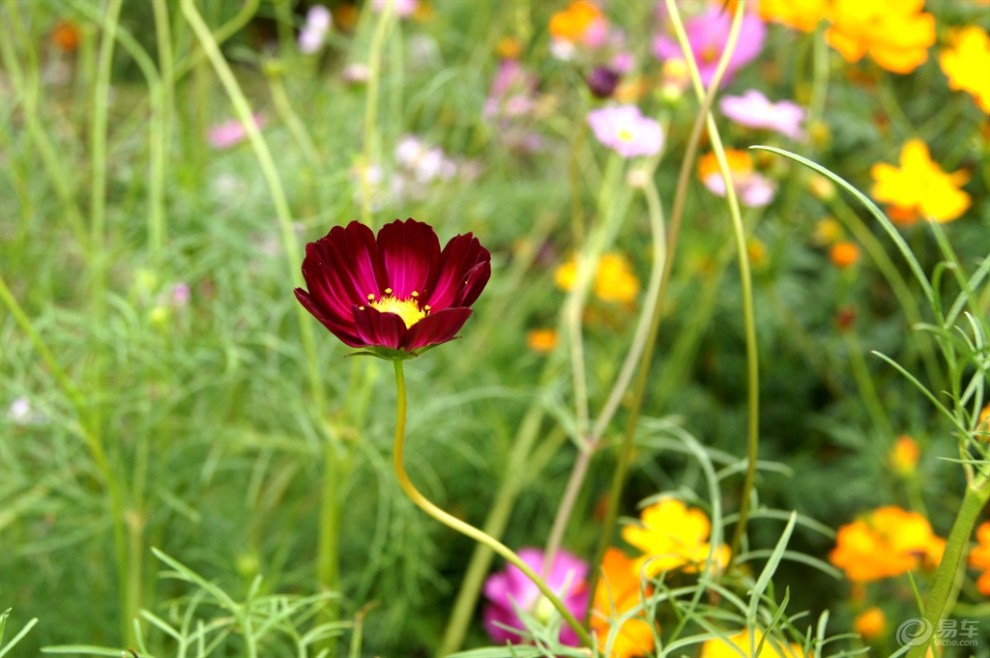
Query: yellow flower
{"points": [[979, 557], [541, 340], [966, 63], [888, 542], [919, 188], [871, 623], [896, 34], [748, 643], [904, 455], [614, 278], [617, 593], [673, 536], [802, 15], [827, 231], [983, 424]]}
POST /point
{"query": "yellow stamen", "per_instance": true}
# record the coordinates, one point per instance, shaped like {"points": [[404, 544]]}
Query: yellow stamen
{"points": [[388, 291], [625, 135], [407, 309]]}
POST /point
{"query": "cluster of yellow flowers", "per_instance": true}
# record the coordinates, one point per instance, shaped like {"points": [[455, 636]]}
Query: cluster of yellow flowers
{"points": [[896, 34], [614, 278]]}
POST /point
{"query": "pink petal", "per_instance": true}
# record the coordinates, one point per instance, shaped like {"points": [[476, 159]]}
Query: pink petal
{"points": [[409, 250], [379, 329], [451, 286], [436, 328]]}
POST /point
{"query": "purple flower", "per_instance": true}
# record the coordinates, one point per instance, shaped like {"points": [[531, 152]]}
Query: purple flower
{"points": [[708, 34], [510, 591], [625, 130], [754, 110], [602, 81], [230, 133], [314, 32]]}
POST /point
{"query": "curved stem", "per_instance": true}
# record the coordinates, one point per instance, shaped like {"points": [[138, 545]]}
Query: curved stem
{"points": [[745, 280], [454, 523]]}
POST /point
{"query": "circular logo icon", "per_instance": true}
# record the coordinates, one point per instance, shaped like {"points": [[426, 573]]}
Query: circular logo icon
{"points": [[914, 632]]}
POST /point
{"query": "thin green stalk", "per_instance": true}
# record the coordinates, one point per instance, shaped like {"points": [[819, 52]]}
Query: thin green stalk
{"points": [[157, 230], [222, 33], [883, 262], [745, 278], [275, 188], [937, 604], [28, 91], [621, 385], [639, 387], [371, 146], [274, 74], [456, 524], [867, 391]]}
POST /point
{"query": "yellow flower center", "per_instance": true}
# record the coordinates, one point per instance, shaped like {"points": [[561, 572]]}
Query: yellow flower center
{"points": [[407, 309], [625, 134]]}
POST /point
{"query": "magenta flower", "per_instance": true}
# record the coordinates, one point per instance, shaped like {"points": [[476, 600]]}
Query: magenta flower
{"points": [[708, 34], [510, 591], [754, 110], [231, 133], [625, 130], [397, 295]]}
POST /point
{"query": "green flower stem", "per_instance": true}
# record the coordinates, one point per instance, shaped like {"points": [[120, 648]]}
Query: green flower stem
{"points": [[454, 523], [275, 188], [522, 462], [746, 282], [937, 604]]}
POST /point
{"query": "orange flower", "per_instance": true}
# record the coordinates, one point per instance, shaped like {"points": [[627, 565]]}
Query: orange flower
{"points": [[673, 536], [541, 340], [888, 542], [617, 593], [844, 254], [575, 23], [983, 424], [966, 63], [744, 643], [919, 187], [904, 455], [896, 34], [871, 623], [979, 557], [66, 37], [802, 15], [508, 48]]}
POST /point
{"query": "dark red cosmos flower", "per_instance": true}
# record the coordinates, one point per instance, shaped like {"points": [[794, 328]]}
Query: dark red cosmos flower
{"points": [[396, 295]]}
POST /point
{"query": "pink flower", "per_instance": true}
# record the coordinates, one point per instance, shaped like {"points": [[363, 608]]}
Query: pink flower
{"points": [[625, 130], [754, 110], [231, 133], [314, 32], [402, 8], [708, 34], [510, 591]]}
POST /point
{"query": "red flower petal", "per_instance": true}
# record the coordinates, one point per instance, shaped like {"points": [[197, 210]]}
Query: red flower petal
{"points": [[379, 329], [409, 250], [345, 331], [459, 257], [436, 328], [353, 253]]}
